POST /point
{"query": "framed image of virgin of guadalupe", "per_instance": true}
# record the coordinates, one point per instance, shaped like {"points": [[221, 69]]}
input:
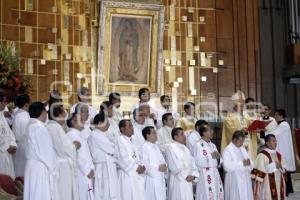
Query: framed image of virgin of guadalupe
{"points": [[130, 46]]}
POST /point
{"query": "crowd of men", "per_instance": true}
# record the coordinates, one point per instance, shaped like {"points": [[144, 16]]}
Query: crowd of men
{"points": [[154, 155]]}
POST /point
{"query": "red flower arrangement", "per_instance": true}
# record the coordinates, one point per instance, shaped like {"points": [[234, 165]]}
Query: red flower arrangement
{"points": [[10, 76]]}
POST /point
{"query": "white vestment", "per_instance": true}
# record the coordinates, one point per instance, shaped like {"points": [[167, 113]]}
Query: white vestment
{"points": [[138, 137], [113, 132], [181, 165], [164, 138], [238, 183], [155, 180], [103, 153], [191, 139], [67, 173], [85, 165], [40, 171], [285, 144], [117, 115], [7, 139], [132, 184], [19, 127], [210, 184]]}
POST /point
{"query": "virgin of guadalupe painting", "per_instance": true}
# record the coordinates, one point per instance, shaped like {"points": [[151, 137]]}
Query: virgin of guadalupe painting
{"points": [[130, 46], [130, 50]]}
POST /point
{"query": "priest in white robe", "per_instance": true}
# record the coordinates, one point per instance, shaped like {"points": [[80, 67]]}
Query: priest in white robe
{"points": [[66, 150], [194, 136], [285, 146], [238, 166], [104, 157], [113, 132], [20, 122], [84, 99], [131, 169], [84, 159], [156, 166], [8, 144], [164, 134], [207, 159], [182, 168], [40, 171], [269, 172]]}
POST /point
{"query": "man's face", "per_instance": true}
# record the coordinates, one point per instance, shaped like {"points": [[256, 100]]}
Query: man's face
{"points": [[250, 105], [103, 126], [278, 117], [266, 111], [116, 103], [140, 117], [170, 121], [128, 129], [152, 137], [145, 97], [272, 143], [84, 113], [44, 116], [190, 110], [209, 133], [180, 137], [239, 142], [239, 106], [166, 102]]}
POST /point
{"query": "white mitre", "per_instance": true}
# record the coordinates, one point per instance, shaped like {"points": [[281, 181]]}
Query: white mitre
{"points": [[239, 96]]}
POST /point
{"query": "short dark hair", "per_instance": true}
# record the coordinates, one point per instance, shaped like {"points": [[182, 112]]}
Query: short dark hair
{"points": [[55, 111], [114, 96], [36, 109], [200, 123], [100, 117], [238, 134], [142, 91], [249, 99], [21, 100], [165, 117], [202, 130], [187, 105], [281, 112], [123, 123], [163, 97], [268, 137], [147, 131], [104, 105], [175, 132], [70, 119]]}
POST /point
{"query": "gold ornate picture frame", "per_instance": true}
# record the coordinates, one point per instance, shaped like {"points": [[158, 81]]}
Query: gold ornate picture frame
{"points": [[130, 46]]}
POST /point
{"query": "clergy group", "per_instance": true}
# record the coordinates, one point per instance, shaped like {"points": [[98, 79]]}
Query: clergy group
{"points": [[80, 153]]}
